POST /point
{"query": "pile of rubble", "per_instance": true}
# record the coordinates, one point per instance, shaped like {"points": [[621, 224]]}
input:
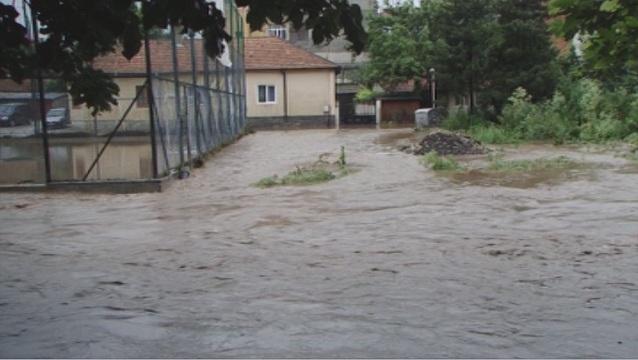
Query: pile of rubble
{"points": [[447, 143]]}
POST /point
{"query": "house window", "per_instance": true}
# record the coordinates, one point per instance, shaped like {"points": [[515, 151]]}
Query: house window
{"points": [[266, 94], [278, 31], [142, 100]]}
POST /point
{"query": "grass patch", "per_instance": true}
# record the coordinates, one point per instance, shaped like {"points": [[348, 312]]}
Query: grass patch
{"points": [[494, 135], [497, 164], [302, 176], [298, 177], [319, 172], [437, 162]]}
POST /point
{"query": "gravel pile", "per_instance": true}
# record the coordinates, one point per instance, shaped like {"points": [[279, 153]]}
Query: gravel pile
{"points": [[446, 143]]}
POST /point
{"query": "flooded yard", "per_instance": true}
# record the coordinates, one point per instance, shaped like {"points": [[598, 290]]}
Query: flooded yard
{"points": [[392, 260]]}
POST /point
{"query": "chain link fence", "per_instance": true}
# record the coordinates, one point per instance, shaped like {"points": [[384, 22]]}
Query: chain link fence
{"points": [[175, 105]]}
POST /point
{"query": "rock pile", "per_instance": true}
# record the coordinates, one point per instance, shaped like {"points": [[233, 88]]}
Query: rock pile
{"points": [[446, 143]]}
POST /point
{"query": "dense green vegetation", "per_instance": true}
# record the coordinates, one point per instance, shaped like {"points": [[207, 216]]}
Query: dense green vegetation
{"points": [[498, 55], [481, 49], [580, 110], [608, 28]]}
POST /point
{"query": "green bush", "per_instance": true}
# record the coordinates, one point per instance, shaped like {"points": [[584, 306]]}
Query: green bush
{"points": [[580, 110], [459, 119], [440, 163], [492, 134], [632, 139]]}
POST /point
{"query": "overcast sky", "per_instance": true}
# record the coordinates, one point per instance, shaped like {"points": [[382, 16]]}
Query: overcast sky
{"points": [[18, 3], [393, 2]]}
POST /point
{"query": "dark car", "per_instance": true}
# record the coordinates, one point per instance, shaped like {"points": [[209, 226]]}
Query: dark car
{"points": [[15, 114], [58, 118]]}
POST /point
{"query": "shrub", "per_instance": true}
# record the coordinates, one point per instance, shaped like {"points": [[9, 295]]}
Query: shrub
{"points": [[493, 134], [632, 139], [460, 119], [440, 163], [365, 95]]}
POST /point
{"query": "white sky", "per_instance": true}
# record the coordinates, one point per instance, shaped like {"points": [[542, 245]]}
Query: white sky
{"points": [[18, 5], [394, 2]]}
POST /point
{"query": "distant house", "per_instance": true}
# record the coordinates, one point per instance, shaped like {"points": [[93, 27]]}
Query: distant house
{"points": [[130, 76], [287, 86], [336, 51]]}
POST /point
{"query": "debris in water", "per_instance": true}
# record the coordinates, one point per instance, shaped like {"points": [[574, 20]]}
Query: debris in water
{"points": [[447, 143]]}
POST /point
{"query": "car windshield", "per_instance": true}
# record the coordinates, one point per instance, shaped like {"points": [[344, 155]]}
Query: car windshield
{"points": [[7, 109], [56, 112]]}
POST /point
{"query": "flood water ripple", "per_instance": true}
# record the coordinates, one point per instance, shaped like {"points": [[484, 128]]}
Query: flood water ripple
{"points": [[390, 261]]}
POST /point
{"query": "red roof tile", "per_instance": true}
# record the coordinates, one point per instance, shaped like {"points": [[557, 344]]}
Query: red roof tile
{"points": [[161, 59], [262, 53], [271, 53]]}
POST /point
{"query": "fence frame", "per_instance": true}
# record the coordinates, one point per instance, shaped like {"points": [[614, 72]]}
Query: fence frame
{"points": [[224, 102]]}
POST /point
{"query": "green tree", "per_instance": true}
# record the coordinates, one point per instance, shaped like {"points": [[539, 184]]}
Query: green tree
{"points": [[399, 45], [525, 57], [75, 32], [467, 33], [609, 29]]}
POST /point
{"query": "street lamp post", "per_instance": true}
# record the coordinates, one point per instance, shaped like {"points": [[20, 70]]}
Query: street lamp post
{"points": [[433, 86]]}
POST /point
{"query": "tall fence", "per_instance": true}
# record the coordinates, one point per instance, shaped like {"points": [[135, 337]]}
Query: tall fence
{"points": [[175, 105]]}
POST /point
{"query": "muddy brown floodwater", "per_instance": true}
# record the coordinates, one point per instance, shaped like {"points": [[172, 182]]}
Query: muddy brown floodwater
{"points": [[391, 261]]}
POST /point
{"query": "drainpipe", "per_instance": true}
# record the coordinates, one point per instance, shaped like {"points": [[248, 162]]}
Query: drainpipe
{"points": [[285, 77]]}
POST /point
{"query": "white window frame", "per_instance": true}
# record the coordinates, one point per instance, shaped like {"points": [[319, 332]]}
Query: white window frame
{"points": [[267, 102], [278, 31]]}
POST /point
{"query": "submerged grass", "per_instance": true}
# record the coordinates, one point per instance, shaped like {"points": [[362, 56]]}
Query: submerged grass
{"points": [[437, 162], [497, 164], [317, 173], [302, 176], [298, 177]]}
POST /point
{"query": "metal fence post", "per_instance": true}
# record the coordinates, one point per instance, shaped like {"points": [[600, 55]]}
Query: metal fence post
{"points": [[43, 115], [178, 105], [151, 113], [198, 127]]}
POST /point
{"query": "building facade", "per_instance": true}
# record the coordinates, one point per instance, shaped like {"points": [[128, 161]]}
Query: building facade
{"points": [[287, 86]]}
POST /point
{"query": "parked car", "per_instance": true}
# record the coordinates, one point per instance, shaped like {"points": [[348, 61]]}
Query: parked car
{"points": [[58, 118], [15, 114]]}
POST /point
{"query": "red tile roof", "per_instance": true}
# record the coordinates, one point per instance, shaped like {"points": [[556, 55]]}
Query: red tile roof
{"points": [[271, 53], [161, 59], [262, 53]]}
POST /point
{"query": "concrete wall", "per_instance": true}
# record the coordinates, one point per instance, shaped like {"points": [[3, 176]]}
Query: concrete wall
{"points": [[256, 78], [127, 94], [311, 98], [292, 122], [138, 117]]}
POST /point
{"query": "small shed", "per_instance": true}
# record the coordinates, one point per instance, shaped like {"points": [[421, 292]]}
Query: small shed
{"points": [[398, 109]]}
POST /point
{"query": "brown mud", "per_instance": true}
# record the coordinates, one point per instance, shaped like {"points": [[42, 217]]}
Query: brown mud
{"points": [[391, 261]]}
